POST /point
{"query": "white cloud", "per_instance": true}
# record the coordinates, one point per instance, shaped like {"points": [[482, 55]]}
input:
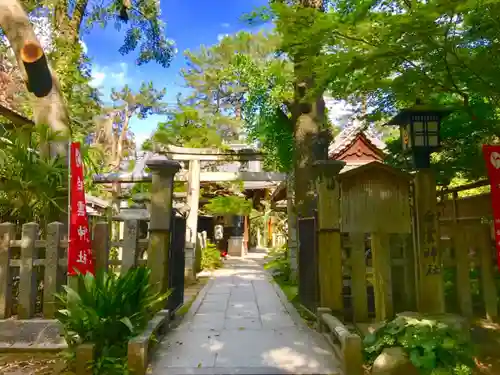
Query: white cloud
{"points": [[225, 25], [108, 77], [144, 129], [140, 138], [221, 36], [84, 46], [97, 78]]}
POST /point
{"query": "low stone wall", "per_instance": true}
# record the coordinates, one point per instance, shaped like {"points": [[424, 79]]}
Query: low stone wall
{"points": [[139, 348], [37, 335]]}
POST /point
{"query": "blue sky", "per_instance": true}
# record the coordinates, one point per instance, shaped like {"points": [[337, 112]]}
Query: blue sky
{"points": [[189, 23]]}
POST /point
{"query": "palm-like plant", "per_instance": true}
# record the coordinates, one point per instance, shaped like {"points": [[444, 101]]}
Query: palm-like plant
{"points": [[31, 187], [107, 311], [34, 187]]}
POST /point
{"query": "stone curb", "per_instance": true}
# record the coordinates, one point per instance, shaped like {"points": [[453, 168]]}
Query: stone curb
{"points": [[294, 314], [198, 300], [290, 309], [243, 371]]}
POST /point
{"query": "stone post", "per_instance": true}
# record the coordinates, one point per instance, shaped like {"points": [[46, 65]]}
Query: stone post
{"points": [[163, 171], [236, 243], [292, 227], [193, 200], [430, 286], [329, 241]]}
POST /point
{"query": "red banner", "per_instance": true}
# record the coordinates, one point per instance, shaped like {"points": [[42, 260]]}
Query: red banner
{"points": [[79, 249], [492, 158]]}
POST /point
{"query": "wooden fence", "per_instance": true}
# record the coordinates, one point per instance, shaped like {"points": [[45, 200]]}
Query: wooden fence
{"points": [[378, 273], [469, 269], [32, 269]]}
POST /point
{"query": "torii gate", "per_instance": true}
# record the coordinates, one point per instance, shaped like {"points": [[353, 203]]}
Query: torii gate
{"points": [[194, 176]]}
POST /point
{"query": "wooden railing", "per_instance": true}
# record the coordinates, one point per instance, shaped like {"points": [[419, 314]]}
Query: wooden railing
{"points": [[347, 345]]}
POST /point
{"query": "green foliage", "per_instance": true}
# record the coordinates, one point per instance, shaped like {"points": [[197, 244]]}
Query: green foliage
{"points": [[107, 311], [194, 127], [228, 93], [146, 101], [391, 53], [432, 346], [210, 257], [398, 52], [279, 264], [269, 85], [31, 187], [229, 205], [144, 32]]}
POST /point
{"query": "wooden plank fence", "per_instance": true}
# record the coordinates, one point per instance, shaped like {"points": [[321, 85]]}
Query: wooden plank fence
{"points": [[32, 269], [378, 273]]}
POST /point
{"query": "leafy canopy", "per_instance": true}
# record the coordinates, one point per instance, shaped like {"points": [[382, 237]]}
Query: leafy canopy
{"points": [[216, 109], [229, 205], [391, 53]]}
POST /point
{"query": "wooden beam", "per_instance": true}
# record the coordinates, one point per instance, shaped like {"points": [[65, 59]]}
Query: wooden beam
{"points": [[208, 154], [15, 118], [280, 192], [216, 157], [181, 176], [242, 176], [469, 186]]}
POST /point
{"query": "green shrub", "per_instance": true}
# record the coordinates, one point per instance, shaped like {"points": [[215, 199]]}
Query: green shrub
{"points": [[433, 347], [210, 257], [279, 263], [107, 311]]}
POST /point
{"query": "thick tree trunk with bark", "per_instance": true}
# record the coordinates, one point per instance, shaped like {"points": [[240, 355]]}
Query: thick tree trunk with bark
{"points": [[49, 109], [306, 131], [308, 118]]}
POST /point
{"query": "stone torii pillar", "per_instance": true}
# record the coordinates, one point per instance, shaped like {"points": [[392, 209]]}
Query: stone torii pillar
{"points": [[193, 201]]}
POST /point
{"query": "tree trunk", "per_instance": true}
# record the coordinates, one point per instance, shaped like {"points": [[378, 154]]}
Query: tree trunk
{"points": [[122, 138], [308, 119], [51, 108]]}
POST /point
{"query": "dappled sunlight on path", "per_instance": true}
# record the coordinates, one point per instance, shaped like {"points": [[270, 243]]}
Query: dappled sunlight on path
{"points": [[239, 325]]}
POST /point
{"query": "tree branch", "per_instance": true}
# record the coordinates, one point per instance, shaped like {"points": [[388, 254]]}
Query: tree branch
{"points": [[77, 18], [50, 109]]}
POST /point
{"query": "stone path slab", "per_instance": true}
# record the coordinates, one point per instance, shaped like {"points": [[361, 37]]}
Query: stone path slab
{"points": [[239, 325]]}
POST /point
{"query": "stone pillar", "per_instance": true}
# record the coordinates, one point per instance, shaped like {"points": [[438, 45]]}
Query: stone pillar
{"points": [[193, 201], [236, 246], [330, 275], [430, 286], [163, 171], [293, 245]]}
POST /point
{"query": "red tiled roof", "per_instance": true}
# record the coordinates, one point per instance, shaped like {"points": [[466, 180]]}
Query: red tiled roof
{"points": [[348, 136]]}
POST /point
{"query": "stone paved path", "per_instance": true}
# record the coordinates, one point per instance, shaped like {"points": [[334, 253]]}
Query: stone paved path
{"points": [[240, 325]]}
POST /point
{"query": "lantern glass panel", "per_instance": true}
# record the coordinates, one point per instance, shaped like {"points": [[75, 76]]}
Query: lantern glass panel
{"points": [[419, 140], [433, 140], [418, 126], [432, 126]]}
